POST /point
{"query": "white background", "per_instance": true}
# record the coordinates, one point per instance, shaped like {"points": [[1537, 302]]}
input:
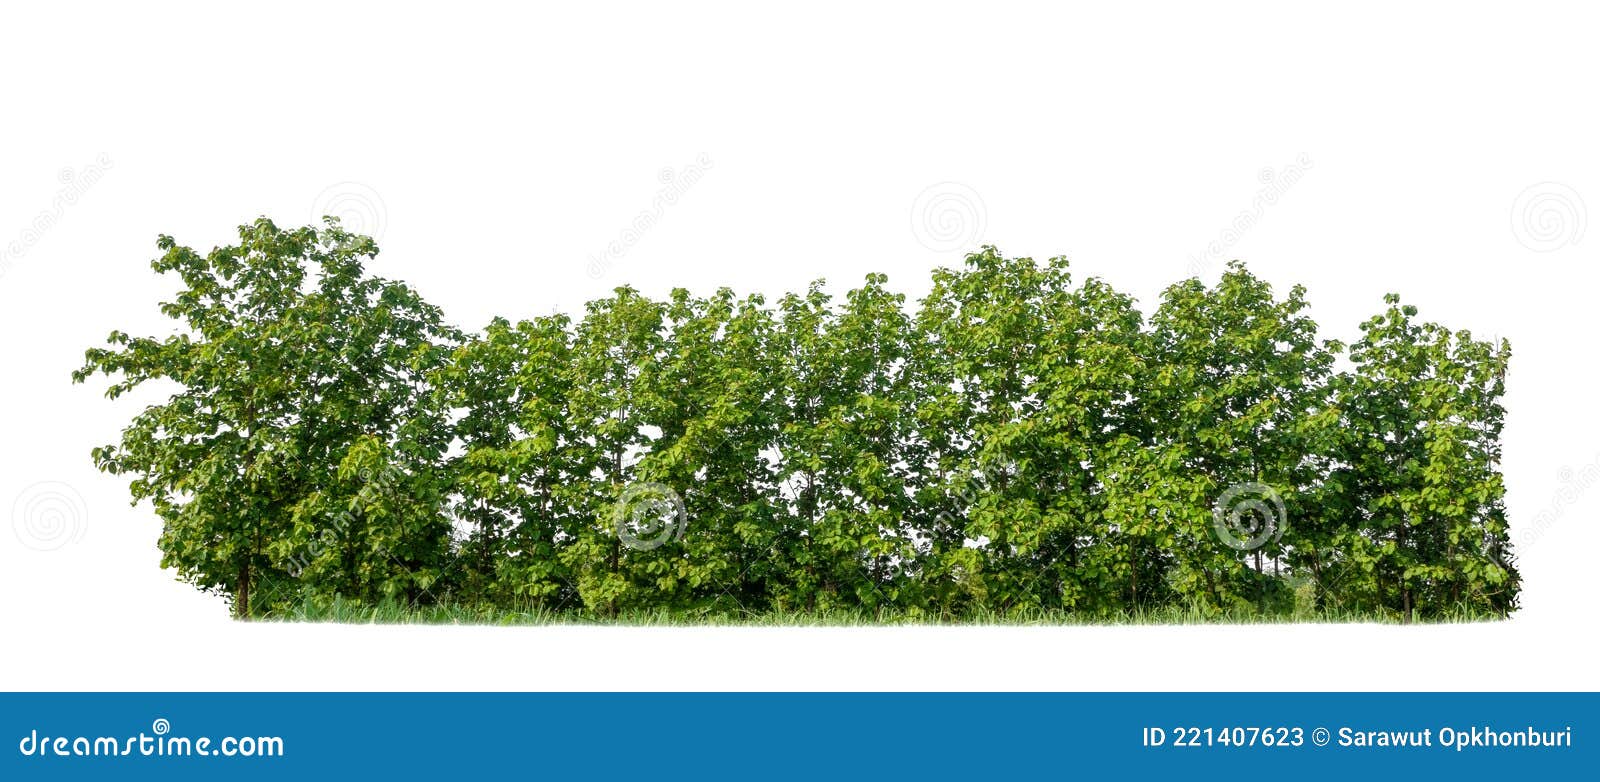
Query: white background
{"points": [[497, 152]]}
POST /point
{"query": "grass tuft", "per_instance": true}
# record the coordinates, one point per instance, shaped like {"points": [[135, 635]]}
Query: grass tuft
{"points": [[393, 613]]}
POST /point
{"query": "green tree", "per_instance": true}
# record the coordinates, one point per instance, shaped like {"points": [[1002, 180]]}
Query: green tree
{"points": [[1238, 377], [1024, 396], [521, 482], [842, 381], [295, 374], [617, 349], [1424, 525], [716, 412]]}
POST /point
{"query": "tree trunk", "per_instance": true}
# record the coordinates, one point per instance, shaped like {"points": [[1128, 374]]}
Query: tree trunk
{"points": [[1134, 573], [241, 596], [617, 518]]}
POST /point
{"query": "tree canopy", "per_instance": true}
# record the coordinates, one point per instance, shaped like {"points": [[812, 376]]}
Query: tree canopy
{"points": [[1017, 441]]}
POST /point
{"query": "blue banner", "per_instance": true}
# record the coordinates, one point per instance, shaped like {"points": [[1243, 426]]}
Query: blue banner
{"points": [[972, 736]]}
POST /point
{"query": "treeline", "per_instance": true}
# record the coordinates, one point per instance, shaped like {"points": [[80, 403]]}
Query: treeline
{"points": [[1016, 442]]}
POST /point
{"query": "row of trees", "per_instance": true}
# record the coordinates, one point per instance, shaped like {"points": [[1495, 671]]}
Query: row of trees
{"points": [[1018, 441]]}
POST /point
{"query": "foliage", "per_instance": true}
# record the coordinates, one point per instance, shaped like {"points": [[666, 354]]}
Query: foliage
{"points": [[1019, 445], [300, 378]]}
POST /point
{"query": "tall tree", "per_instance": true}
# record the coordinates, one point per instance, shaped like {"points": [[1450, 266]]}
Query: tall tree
{"points": [[295, 371], [1425, 526], [843, 380], [614, 404], [521, 477], [1025, 381], [1237, 374], [716, 411]]}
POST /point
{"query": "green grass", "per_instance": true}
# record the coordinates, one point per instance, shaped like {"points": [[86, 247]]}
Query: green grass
{"points": [[347, 612]]}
